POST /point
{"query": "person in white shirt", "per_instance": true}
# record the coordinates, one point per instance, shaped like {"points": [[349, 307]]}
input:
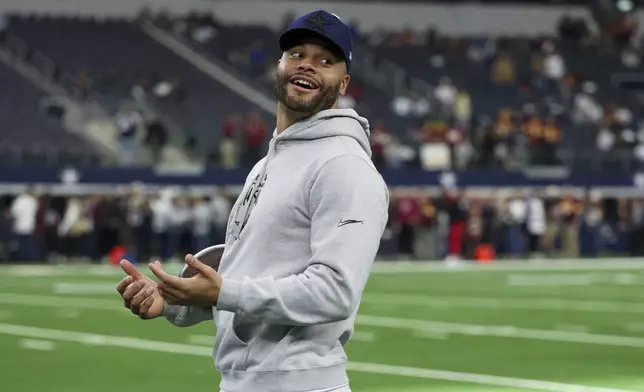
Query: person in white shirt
{"points": [[180, 216], [23, 213], [516, 221], [202, 215], [76, 228], [535, 221], [161, 209], [221, 207]]}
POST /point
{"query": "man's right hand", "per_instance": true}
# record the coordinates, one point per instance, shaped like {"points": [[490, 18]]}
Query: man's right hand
{"points": [[140, 293]]}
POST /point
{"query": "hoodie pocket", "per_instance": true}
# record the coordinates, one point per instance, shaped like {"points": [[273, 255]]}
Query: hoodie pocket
{"points": [[269, 346]]}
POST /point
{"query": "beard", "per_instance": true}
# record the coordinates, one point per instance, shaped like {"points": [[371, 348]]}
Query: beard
{"points": [[323, 99]]}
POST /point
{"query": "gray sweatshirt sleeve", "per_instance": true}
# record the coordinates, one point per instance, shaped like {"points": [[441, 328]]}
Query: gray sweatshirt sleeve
{"points": [[186, 316], [348, 207]]}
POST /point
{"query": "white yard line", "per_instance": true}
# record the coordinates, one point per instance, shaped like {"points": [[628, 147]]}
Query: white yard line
{"points": [[61, 302], [504, 303], [84, 288], [500, 331], [608, 264], [431, 374], [376, 321], [36, 344]]}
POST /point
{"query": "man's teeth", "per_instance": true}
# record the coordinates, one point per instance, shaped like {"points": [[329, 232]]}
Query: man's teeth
{"points": [[304, 83]]}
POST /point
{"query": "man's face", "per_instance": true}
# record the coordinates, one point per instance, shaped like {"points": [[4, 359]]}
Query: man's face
{"points": [[310, 78]]}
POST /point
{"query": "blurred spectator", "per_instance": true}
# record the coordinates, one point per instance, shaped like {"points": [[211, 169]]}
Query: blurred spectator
{"points": [[504, 70], [380, 141], [554, 67], [535, 223], [516, 221], [403, 106], [156, 139], [407, 212], [425, 246], [138, 216], [605, 140], [550, 141], [570, 209], [457, 211], [573, 29], [221, 207], [228, 148], [23, 214], [445, 93], [585, 108], [254, 130], [201, 223], [138, 93], [463, 108], [161, 209], [84, 81], [76, 229], [128, 121]]}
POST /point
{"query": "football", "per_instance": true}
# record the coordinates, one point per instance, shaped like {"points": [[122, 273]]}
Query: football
{"points": [[210, 256]]}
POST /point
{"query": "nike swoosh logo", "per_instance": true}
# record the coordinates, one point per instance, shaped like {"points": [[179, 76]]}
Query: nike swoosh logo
{"points": [[348, 222]]}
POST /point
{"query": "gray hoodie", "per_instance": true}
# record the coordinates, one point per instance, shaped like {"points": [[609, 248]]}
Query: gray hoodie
{"points": [[301, 241]]}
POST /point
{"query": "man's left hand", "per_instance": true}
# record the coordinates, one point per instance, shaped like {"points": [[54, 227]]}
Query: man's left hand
{"points": [[201, 289]]}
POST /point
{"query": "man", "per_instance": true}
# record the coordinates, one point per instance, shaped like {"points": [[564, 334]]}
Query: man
{"points": [[23, 211], [301, 239]]}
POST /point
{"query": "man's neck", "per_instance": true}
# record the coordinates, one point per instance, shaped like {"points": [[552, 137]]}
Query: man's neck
{"points": [[287, 117]]}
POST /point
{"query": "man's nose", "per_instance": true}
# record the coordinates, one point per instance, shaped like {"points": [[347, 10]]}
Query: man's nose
{"points": [[306, 66]]}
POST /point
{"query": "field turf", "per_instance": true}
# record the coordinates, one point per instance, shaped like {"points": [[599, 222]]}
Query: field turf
{"points": [[552, 326]]}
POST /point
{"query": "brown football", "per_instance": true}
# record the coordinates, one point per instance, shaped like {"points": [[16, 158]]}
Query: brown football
{"points": [[210, 256]]}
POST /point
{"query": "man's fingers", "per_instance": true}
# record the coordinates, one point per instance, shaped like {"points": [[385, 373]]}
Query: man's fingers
{"points": [[141, 296], [170, 294], [133, 289], [120, 288], [131, 270], [145, 306], [164, 276], [202, 268]]}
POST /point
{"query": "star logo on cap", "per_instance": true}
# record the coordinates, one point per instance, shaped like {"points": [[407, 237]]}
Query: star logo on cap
{"points": [[317, 22]]}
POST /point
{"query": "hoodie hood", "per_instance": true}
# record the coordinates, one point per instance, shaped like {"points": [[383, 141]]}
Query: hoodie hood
{"points": [[330, 123]]}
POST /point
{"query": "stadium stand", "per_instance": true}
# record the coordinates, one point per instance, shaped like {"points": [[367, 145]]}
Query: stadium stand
{"points": [[116, 55], [31, 136]]}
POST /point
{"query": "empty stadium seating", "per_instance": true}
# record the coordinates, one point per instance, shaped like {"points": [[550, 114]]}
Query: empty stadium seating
{"points": [[117, 54], [30, 137]]}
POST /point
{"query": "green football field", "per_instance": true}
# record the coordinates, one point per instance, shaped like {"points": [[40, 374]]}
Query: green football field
{"points": [[555, 326]]}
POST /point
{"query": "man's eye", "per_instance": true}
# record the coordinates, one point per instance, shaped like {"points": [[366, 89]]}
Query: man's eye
{"points": [[296, 55], [327, 61]]}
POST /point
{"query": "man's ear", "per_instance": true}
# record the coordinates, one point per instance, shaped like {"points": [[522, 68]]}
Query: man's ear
{"points": [[344, 84]]}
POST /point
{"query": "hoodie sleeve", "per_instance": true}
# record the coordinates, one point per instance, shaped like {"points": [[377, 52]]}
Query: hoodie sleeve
{"points": [[186, 316], [348, 208]]}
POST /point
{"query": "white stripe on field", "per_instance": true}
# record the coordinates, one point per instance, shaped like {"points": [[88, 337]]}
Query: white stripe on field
{"points": [[34, 344], [500, 331], [363, 336], [504, 303], [151, 345], [376, 321], [61, 302], [84, 288], [483, 379], [607, 264]]}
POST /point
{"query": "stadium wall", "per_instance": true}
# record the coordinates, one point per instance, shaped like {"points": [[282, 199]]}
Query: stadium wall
{"points": [[450, 19], [618, 184]]}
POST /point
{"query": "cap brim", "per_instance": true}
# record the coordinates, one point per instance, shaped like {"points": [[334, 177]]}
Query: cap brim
{"points": [[295, 37]]}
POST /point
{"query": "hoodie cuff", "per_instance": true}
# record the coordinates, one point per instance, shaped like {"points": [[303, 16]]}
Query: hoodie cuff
{"points": [[172, 312], [229, 295]]}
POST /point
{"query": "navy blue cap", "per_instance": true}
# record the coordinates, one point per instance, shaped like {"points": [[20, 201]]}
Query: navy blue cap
{"points": [[319, 24]]}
